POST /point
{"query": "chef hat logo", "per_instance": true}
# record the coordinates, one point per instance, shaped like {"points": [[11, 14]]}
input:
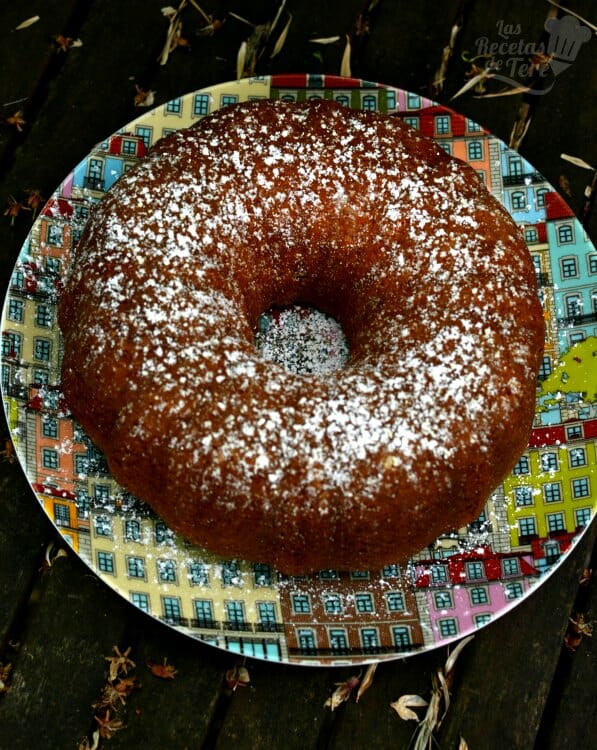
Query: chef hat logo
{"points": [[566, 37]]}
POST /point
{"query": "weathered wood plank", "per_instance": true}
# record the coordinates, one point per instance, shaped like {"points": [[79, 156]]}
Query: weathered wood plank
{"points": [[73, 622], [24, 533], [372, 722], [170, 713], [518, 662], [29, 59], [282, 707], [571, 710]]}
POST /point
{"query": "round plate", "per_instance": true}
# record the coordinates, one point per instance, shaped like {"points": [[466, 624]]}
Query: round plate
{"points": [[457, 584]]}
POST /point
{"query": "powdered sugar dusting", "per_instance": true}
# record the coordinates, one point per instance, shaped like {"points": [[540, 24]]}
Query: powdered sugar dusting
{"points": [[336, 210]]}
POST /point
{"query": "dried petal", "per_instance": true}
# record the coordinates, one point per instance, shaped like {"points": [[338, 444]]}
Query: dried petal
{"points": [[16, 120], [27, 23], [107, 726], [143, 98], [325, 40], [120, 662], [238, 676], [164, 671], [404, 704], [367, 681], [342, 692]]}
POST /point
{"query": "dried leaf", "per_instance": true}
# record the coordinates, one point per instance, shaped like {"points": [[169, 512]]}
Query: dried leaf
{"points": [[197, 7], [585, 576], [325, 40], [241, 59], [237, 677], [93, 745], [405, 703], [281, 39], [8, 454], [26, 24], [463, 744], [505, 92], [424, 736], [576, 15], [5, 670], [52, 554], [445, 692], [277, 17], [164, 670], [519, 130], [64, 43], [367, 681], [482, 75], [451, 660], [342, 693], [143, 98], [583, 165], [345, 64], [240, 18]]}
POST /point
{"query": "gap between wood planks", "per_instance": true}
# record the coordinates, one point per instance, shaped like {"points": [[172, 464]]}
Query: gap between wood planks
{"points": [[54, 64]]}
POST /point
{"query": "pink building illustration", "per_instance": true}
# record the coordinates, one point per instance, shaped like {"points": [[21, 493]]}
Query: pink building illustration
{"points": [[466, 590]]}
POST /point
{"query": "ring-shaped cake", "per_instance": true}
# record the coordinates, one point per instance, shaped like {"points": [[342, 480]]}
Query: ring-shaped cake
{"points": [[270, 203]]}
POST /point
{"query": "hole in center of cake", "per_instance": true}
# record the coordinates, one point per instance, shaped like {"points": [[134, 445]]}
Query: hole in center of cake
{"points": [[302, 339]]}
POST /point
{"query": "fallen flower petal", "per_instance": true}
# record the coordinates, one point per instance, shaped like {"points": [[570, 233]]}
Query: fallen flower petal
{"points": [[238, 676], [16, 120], [107, 726], [27, 23], [143, 98], [404, 704], [342, 692], [164, 671], [120, 662]]}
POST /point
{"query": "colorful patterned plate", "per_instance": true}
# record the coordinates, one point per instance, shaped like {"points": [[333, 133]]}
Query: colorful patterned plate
{"points": [[457, 584]]}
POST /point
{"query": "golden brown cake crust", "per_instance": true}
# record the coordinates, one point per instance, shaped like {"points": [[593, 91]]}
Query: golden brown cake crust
{"points": [[359, 215]]}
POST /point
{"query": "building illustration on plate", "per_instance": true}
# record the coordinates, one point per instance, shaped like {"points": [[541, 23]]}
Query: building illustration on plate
{"points": [[455, 585]]}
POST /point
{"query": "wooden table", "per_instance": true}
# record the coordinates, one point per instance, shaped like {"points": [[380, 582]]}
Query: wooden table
{"points": [[69, 80]]}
